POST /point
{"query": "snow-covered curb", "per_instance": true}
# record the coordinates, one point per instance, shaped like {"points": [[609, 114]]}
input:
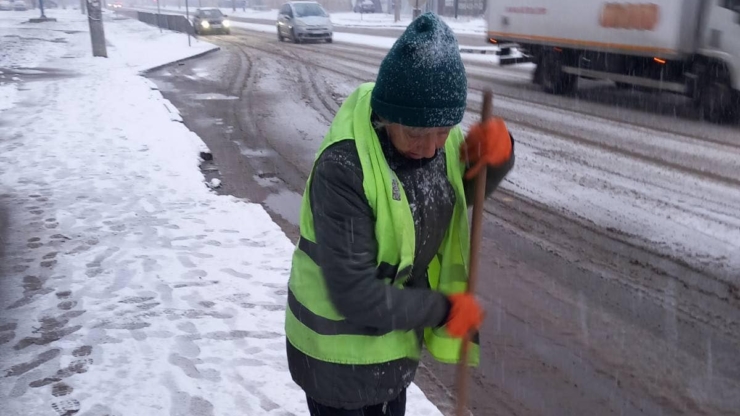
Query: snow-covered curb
{"points": [[195, 56]]}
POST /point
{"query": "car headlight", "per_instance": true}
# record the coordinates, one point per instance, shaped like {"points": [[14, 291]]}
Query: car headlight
{"points": [[226, 23], [205, 24]]}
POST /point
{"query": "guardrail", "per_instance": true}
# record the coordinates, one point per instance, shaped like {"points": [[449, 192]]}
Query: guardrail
{"points": [[174, 22]]}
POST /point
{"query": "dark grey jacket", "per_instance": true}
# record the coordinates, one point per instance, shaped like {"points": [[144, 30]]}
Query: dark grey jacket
{"points": [[347, 251]]}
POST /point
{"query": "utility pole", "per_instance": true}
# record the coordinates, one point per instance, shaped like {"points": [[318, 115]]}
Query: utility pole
{"points": [[233, 5], [159, 17], [457, 6], [97, 34], [187, 16], [397, 4], [82, 6]]}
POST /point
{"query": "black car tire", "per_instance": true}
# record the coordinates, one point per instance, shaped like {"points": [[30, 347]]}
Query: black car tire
{"points": [[280, 36], [294, 37], [329, 40]]}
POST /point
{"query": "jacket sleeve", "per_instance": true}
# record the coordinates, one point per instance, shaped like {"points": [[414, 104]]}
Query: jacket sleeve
{"points": [[494, 176], [347, 252]]}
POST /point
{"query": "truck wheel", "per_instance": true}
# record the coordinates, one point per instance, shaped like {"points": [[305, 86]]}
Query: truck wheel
{"points": [[554, 80], [537, 74], [718, 103]]}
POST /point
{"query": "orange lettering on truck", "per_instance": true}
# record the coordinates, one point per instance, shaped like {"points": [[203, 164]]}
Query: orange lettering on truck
{"points": [[630, 16]]}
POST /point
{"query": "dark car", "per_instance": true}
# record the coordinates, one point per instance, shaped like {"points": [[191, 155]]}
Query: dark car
{"points": [[364, 6], [207, 21]]}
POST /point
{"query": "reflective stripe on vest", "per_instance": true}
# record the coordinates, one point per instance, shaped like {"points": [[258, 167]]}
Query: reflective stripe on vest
{"points": [[313, 325]]}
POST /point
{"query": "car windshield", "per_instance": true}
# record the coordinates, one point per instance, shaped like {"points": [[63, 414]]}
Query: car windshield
{"points": [[211, 13], [308, 9]]}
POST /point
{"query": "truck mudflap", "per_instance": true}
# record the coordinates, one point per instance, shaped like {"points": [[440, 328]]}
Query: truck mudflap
{"points": [[507, 58]]}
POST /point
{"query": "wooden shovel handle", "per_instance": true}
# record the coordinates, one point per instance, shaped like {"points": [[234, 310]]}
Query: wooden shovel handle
{"points": [[476, 231]]}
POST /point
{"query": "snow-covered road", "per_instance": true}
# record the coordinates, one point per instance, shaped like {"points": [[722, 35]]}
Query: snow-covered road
{"points": [[129, 288]]}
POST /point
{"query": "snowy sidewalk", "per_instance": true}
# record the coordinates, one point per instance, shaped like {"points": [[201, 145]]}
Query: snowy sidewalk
{"points": [[128, 287]]}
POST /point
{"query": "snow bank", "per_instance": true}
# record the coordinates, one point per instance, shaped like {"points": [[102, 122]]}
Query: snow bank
{"points": [[466, 25], [132, 288], [382, 42]]}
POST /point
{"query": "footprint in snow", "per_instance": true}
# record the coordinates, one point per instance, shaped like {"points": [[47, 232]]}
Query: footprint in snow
{"points": [[61, 389], [66, 407], [82, 351]]}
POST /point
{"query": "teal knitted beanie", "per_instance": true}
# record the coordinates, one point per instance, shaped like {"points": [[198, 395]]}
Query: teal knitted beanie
{"points": [[422, 82]]}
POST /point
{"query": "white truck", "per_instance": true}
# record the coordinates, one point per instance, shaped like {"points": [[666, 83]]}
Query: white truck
{"points": [[689, 47]]}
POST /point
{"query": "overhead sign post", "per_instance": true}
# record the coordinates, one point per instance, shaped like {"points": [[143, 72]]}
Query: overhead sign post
{"points": [[417, 5]]}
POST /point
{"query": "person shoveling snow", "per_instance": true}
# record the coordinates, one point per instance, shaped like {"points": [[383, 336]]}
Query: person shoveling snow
{"points": [[381, 265]]}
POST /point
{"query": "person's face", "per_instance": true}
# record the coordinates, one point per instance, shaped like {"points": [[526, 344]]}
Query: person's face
{"points": [[416, 142]]}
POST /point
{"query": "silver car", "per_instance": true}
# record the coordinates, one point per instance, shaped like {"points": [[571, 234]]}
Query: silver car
{"points": [[20, 6], [304, 20]]}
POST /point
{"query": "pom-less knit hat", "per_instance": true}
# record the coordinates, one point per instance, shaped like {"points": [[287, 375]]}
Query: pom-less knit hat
{"points": [[422, 82]]}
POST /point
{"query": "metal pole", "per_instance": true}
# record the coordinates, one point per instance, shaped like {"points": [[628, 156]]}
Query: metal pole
{"points": [[97, 34], [159, 17], [187, 16], [233, 5], [41, 6], [397, 16], [457, 4], [476, 233]]}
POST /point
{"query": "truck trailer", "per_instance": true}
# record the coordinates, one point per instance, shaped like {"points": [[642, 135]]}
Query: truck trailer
{"points": [[689, 47]]}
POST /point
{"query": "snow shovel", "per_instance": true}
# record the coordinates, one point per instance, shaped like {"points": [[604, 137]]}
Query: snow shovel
{"points": [[476, 230]]}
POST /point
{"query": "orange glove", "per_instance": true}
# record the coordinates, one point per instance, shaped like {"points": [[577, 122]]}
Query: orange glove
{"points": [[465, 315], [487, 143]]}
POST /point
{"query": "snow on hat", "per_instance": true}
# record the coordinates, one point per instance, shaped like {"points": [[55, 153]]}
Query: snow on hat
{"points": [[422, 82]]}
